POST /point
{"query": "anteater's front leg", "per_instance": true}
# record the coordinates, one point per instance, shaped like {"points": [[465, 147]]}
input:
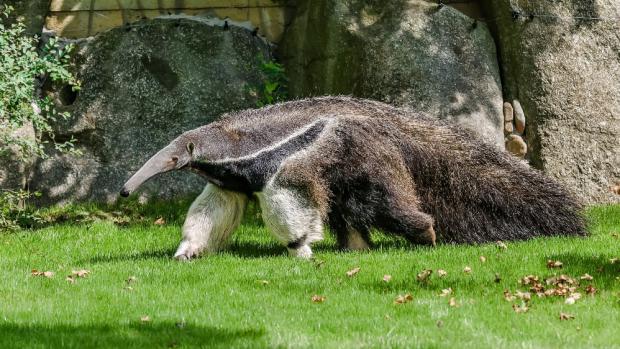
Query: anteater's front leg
{"points": [[291, 217], [213, 216]]}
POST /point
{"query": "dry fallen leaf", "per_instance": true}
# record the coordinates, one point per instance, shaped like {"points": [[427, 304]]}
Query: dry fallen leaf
{"points": [[47, 274], [613, 260], [586, 277], [145, 318], [353, 271], [318, 299], [131, 279], [501, 245], [565, 316], [160, 221], [526, 296], [80, 273], [529, 280], [439, 323], [423, 276], [591, 290], [508, 296], [554, 264], [522, 308], [263, 282], [70, 279], [452, 302], [441, 273], [483, 259], [387, 278], [498, 278], [445, 292], [572, 298], [467, 270], [402, 299]]}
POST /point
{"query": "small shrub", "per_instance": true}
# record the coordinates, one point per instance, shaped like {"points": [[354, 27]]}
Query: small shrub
{"points": [[14, 214], [21, 64], [273, 88]]}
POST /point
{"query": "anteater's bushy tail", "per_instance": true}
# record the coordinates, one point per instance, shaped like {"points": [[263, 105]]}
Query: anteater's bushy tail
{"points": [[477, 193]]}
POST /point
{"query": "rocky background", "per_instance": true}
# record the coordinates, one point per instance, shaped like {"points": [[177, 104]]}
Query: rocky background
{"points": [[540, 79]]}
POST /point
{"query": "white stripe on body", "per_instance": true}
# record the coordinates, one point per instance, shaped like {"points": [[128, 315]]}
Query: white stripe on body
{"points": [[269, 148]]}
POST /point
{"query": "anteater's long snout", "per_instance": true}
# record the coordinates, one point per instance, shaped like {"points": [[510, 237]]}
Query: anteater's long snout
{"points": [[165, 160]]}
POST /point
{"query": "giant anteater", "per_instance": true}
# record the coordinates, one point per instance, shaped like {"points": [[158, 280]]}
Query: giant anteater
{"points": [[357, 164]]}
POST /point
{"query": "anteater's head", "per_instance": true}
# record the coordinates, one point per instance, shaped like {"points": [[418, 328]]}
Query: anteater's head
{"points": [[176, 155]]}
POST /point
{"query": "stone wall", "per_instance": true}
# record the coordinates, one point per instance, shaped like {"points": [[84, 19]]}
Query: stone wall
{"points": [[84, 18]]}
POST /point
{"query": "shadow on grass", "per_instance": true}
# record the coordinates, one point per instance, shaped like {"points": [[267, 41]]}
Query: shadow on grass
{"points": [[601, 269], [253, 249], [247, 249], [145, 335], [146, 255]]}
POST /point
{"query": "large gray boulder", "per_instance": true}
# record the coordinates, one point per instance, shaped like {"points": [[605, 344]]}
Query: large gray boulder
{"points": [[15, 163], [143, 85], [412, 53], [561, 60]]}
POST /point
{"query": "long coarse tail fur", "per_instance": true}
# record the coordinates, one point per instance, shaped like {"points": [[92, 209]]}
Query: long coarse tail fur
{"points": [[477, 193]]}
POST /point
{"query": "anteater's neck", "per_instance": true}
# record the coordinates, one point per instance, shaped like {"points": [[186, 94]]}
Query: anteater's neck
{"points": [[250, 173]]}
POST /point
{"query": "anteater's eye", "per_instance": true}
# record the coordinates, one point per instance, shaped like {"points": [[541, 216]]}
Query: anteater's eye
{"points": [[175, 159], [190, 147]]}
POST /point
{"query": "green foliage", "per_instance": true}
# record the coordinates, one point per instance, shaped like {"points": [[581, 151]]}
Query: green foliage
{"points": [[20, 65], [273, 88], [14, 214]]}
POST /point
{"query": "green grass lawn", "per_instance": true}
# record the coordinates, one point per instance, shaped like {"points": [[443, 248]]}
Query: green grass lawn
{"points": [[253, 295]]}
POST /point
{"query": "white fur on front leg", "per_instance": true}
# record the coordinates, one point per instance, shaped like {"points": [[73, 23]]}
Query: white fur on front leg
{"points": [[211, 219], [304, 252], [291, 218]]}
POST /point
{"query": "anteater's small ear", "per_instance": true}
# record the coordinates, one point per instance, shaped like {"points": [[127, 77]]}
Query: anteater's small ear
{"points": [[190, 148]]}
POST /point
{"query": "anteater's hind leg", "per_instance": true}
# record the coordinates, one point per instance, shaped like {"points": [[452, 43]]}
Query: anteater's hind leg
{"points": [[212, 217], [415, 226], [291, 218], [399, 212], [347, 236]]}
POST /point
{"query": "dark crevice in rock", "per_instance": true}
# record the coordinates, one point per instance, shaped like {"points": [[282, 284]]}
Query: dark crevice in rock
{"points": [[67, 95], [161, 71]]}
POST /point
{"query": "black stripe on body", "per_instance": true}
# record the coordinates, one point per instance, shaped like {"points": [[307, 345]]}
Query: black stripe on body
{"points": [[250, 175]]}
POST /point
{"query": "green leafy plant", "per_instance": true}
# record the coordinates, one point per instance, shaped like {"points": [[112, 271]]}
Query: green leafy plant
{"points": [[273, 88], [14, 214], [21, 64]]}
